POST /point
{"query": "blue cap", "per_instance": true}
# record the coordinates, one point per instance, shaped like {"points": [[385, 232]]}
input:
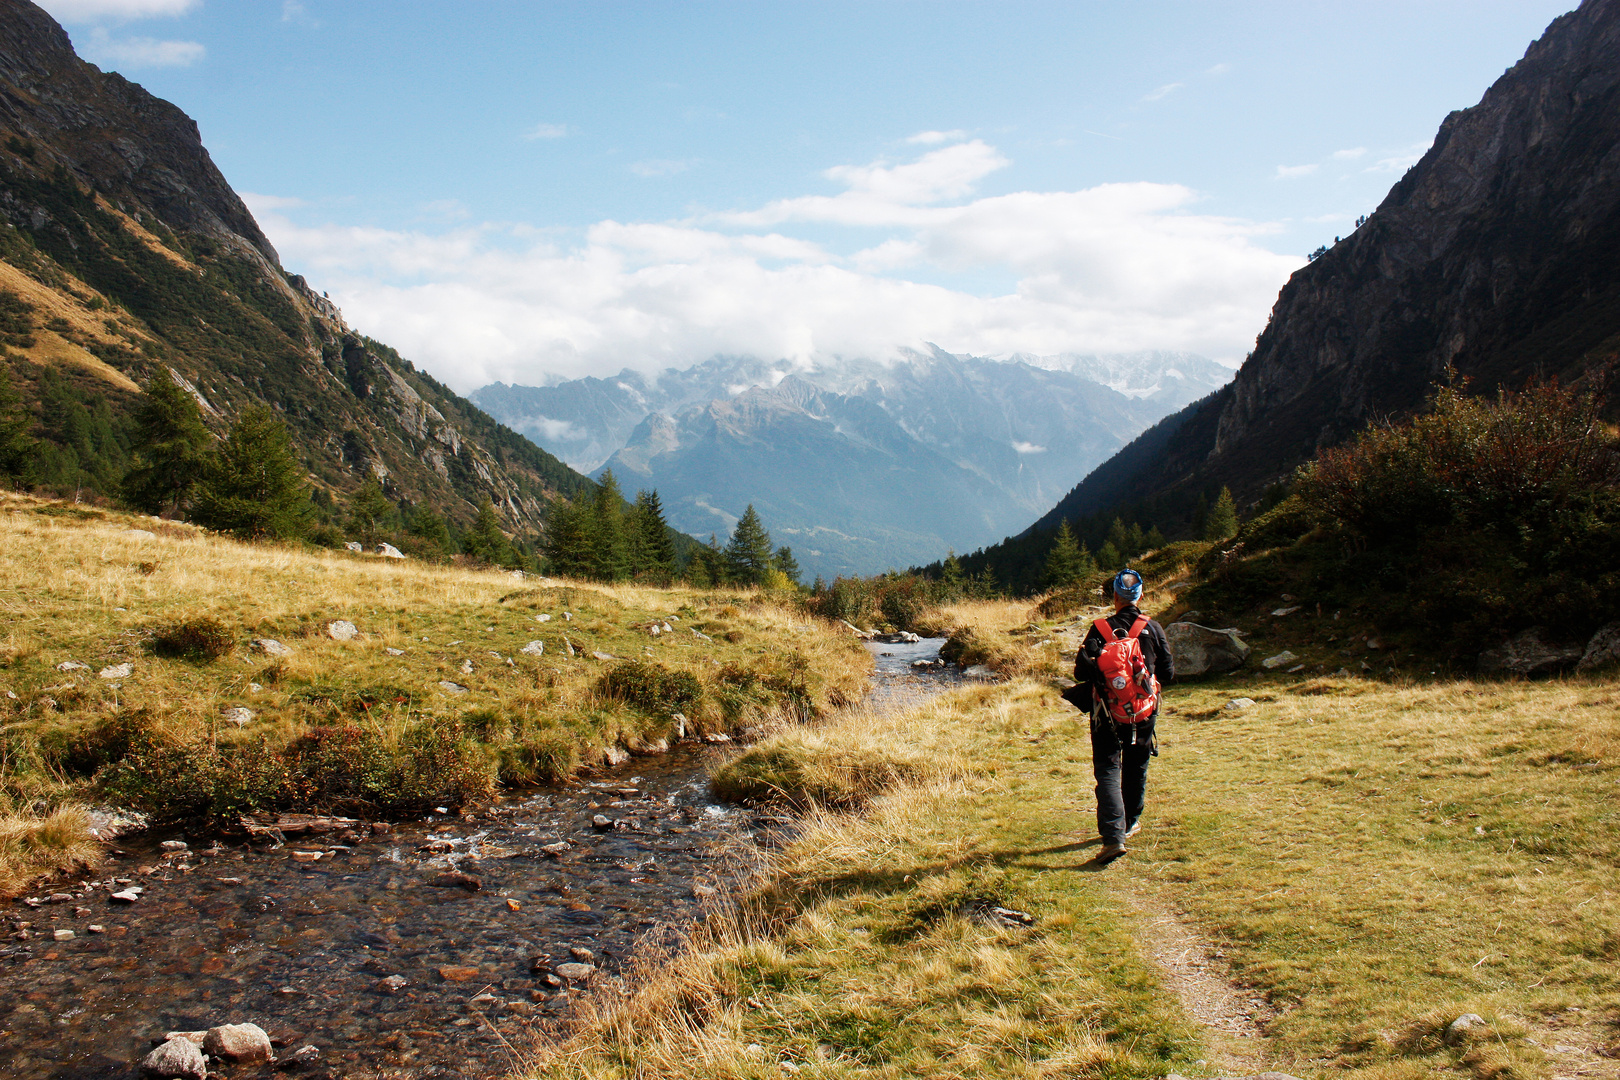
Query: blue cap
{"points": [[1128, 584]]}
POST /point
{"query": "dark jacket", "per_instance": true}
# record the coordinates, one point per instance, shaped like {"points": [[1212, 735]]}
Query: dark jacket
{"points": [[1155, 650]]}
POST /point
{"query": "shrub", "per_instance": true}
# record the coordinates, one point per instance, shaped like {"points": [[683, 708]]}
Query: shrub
{"points": [[543, 756], [197, 638], [652, 687]]}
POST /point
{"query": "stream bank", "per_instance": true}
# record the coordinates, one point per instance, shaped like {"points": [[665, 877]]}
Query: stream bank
{"points": [[382, 952]]}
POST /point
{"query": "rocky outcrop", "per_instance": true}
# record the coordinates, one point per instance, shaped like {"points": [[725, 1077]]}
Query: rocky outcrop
{"points": [[1201, 650], [1530, 653]]}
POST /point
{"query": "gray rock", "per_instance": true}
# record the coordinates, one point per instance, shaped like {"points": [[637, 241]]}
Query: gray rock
{"points": [[453, 689], [389, 551], [978, 671], [1239, 704], [1529, 653], [1284, 611], [354, 545], [466, 667], [584, 956], [1203, 650], [391, 651], [303, 1057], [534, 648], [601, 821], [615, 754], [127, 896], [236, 715], [542, 618], [72, 665], [1603, 650], [180, 1059], [342, 630], [269, 646], [243, 1044], [174, 845], [392, 984], [1459, 1029], [603, 656], [575, 972], [1272, 663], [117, 671]]}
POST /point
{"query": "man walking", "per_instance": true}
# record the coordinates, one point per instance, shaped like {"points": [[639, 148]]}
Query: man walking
{"points": [[1120, 750]]}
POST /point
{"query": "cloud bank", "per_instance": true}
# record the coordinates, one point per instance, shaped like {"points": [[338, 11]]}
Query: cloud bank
{"points": [[1116, 267]]}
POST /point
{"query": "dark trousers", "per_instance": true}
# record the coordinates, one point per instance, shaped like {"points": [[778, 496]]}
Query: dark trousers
{"points": [[1121, 767]]}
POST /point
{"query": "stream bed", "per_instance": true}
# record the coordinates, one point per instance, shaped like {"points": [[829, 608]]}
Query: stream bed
{"points": [[424, 949]]}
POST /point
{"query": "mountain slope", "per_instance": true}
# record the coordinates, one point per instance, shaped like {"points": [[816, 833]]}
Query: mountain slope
{"points": [[124, 249], [1494, 255]]}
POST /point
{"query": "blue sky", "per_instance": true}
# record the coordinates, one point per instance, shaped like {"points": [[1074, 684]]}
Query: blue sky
{"points": [[521, 190]]}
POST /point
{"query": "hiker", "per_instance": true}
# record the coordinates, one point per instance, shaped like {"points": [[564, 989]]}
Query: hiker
{"points": [[1121, 693]]}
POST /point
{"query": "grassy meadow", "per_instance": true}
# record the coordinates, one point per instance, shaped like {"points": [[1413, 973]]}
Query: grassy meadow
{"points": [[366, 725], [1371, 858]]}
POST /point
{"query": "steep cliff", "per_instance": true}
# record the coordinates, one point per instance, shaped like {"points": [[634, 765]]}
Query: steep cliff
{"points": [[1494, 254], [123, 248]]}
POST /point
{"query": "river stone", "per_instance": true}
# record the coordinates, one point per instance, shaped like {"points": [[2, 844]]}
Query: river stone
{"points": [[392, 984], [601, 821], [181, 1059], [1602, 650], [244, 1044], [455, 879], [458, 973], [574, 972], [389, 551], [342, 630], [270, 647], [1272, 663], [1529, 653], [1203, 650], [615, 754], [534, 648], [117, 671], [303, 1057]]}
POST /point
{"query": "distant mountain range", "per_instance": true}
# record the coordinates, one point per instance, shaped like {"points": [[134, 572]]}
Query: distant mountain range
{"points": [[1495, 256], [859, 465]]}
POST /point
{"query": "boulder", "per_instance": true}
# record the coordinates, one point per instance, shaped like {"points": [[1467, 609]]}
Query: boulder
{"points": [[1603, 650], [72, 665], [354, 545], [1203, 650], [1272, 663], [269, 646], [180, 1059], [1529, 653], [542, 618], [342, 630], [1459, 1029], [117, 671], [1238, 704], [453, 689], [389, 551], [243, 1044], [534, 648]]}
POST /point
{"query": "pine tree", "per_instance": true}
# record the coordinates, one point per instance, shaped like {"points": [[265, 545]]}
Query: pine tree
{"points": [[253, 486], [787, 564], [369, 511], [610, 552], [1109, 558], [1120, 537], [17, 448], [484, 539], [748, 555], [955, 581], [707, 567], [1223, 521], [1063, 559], [657, 546], [567, 541], [1155, 539], [425, 522], [170, 447], [1135, 541]]}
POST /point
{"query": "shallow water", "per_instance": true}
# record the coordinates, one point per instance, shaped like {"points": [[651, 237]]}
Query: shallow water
{"points": [[247, 932]]}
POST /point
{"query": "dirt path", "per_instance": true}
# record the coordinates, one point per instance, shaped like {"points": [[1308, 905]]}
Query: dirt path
{"points": [[1194, 969]]}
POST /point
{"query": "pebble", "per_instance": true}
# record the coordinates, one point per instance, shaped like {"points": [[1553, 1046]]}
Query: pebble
{"points": [[270, 647], [303, 1057], [307, 856], [62, 935], [127, 896], [583, 955], [601, 821], [455, 879], [575, 972], [391, 651], [392, 984], [458, 973]]}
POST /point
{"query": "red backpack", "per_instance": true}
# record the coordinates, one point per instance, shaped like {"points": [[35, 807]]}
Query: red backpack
{"points": [[1130, 692]]}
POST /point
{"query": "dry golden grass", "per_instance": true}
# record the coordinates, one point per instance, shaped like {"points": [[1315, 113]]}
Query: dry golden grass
{"points": [[33, 845], [997, 633], [79, 585], [865, 949]]}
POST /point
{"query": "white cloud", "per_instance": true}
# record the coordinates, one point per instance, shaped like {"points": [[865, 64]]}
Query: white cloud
{"points": [[139, 52], [1349, 155], [1113, 268], [1028, 448], [659, 167], [267, 204], [546, 131], [1294, 172], [1163, 92], [930, 138], [1399, 163], [82, 11], [1218, 69]]}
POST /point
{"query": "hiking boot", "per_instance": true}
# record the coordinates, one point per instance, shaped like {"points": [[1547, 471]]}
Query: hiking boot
{"points": [[1110, 852], [1135, 828]]}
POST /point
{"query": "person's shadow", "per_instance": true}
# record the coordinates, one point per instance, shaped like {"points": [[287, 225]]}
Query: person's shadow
{"points": [[1021, 858]]}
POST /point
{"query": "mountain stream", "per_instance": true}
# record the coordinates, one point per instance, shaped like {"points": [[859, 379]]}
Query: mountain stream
{"points": [[381, 953]]}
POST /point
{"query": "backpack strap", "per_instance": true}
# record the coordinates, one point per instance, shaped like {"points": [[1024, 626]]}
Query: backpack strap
{"points": [[1102, 627], [1138, 626]]}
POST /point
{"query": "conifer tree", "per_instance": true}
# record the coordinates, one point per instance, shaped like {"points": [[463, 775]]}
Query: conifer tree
{"points": [[955, 580], [1063, 559], [1154, 540], [253, 486], [707, 567], [426, 523], [1120, 537], [170, 447], [369, 511], [1110, 559], [484, 539], [656, 546], [17, 447], [610, 553], [567, 541], [748, 555], [787, 564], [1222, 521]]}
